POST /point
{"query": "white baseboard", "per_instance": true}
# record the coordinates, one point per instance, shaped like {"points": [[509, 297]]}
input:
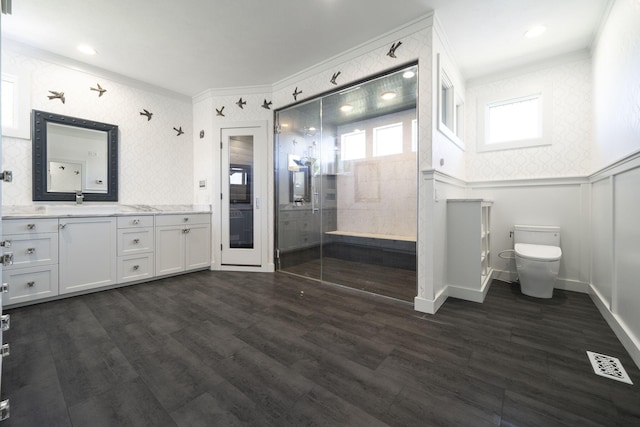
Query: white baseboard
{"points": [[572, 285], [630, 342], [564, 284], [474, 295], [430, 306]]}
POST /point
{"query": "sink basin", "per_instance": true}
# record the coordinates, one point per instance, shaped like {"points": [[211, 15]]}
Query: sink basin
{"points": [[81, 209]]}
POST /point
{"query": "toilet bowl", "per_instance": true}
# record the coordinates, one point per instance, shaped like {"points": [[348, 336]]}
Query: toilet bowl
{"points": [[538, 254]]}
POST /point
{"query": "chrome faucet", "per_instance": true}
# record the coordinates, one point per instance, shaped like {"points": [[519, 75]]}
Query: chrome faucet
{"points": [[79, 197]]}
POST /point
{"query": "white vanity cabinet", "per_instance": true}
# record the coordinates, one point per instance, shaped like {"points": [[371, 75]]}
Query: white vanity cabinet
{"points": [[88, 252], [136, 246], [33, 245], [468, 247], [183, 243]]}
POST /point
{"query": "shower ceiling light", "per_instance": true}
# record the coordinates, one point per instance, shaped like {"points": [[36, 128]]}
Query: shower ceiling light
{"points": [[408, 74], [388, 95], [346, 108]]}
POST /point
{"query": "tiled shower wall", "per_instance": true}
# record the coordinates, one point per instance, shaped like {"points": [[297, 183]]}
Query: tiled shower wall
{"points": [[155, 165]]}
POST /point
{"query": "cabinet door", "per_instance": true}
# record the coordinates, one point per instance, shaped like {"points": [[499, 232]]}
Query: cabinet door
{"points": [[198, 247], [87, 253], [170, 249]]}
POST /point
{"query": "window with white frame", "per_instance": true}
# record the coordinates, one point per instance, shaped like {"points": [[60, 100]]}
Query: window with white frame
{"points": [[450, 108], [15, 95], [387, 140], [353, 145], [516, 120]]}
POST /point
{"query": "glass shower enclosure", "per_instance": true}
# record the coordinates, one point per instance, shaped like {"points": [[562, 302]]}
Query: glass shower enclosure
{"points": [[346, 186]]}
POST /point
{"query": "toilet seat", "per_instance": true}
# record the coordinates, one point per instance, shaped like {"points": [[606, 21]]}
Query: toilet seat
{"points": [[538, 252]]}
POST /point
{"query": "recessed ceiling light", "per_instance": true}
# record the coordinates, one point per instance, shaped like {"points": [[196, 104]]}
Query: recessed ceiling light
{"points": [[285, 125], [536, 31], [86, 49], [408, 74], [346, 108], [388, 95]]}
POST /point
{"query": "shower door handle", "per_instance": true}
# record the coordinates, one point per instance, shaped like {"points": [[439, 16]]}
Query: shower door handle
{"points": [[314, 203]]}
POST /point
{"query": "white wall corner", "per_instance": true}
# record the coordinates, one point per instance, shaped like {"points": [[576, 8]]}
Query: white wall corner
{"points": [[430, 306], [630, 342]]}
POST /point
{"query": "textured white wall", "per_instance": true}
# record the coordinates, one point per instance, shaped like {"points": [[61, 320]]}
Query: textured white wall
{"points": [[616, 61], [155, 164], [569, 154], [558, 204]]}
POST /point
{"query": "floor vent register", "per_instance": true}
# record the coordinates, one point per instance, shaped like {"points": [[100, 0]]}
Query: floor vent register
{"points": [[608, 367]]}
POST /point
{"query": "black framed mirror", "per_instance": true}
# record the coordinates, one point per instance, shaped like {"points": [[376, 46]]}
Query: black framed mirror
{"points": [[299, 179], [71, 154]]}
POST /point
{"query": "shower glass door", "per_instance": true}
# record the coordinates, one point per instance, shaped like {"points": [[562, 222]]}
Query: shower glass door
{"points": [[346, 179], [299, 163]]}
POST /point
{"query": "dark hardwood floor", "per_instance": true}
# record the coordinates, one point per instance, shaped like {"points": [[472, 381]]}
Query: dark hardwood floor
{"points": [[391, 282], [223, 348]]}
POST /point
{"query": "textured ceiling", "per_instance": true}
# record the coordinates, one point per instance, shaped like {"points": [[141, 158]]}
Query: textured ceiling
{"points": [[194, 45]]}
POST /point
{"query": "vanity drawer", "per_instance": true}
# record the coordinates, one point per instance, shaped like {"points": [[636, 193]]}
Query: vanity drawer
{"points": [[135, 240], [29, 226], [175, 219], [28, 284], [135, 221], [31, 250], [135, 267]]}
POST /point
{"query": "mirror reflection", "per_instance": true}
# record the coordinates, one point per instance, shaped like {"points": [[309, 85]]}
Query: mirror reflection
{"points": [[76, 159]]}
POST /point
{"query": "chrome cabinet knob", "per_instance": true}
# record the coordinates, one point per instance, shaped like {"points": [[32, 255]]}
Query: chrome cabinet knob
{"points": [[31, 251], [31, 284], [135, 267], [136, 241], [31, 226], [136, 221]]}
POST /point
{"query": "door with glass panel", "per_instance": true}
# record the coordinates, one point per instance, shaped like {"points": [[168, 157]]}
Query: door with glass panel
{"points": [[242, 157]]}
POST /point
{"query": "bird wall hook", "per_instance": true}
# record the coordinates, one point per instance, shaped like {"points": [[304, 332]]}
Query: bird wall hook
{"points": [[57, 95], [334, 77], [241, 103], [220, 112], [146, 113], [179, 130], [99, 90], [392, 50], [296, 92], [267, 105]]}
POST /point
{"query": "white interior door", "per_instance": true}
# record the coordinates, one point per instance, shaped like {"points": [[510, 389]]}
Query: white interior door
{"points": [[242, 165]]}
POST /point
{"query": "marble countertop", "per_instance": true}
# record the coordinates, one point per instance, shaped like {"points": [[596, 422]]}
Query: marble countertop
{"points": [[98, 209]]}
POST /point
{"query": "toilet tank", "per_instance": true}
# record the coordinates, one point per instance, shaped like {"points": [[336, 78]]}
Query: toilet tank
{"points": [[537, 234]]}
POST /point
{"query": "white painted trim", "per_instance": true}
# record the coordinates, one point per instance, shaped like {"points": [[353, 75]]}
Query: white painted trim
{"points": [[267, 268], [533, 182], [563, 284], [572, 285], [528, 68], [606, 12], [430, 306], [473, 295], [438, 176], [233, 91], [62, 61], [406, 30], [632, 161], [622, 331]]}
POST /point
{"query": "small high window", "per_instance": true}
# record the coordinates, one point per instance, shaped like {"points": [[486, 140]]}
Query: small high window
{"points": [[353, 145], [387, 140], [16, 110], [518, 119]]}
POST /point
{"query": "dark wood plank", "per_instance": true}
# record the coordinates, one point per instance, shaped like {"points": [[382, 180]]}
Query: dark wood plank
{"points": [[263, 349]]}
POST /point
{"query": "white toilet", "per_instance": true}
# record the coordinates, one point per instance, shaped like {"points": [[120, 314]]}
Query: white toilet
{"points": [[538, 256]]}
